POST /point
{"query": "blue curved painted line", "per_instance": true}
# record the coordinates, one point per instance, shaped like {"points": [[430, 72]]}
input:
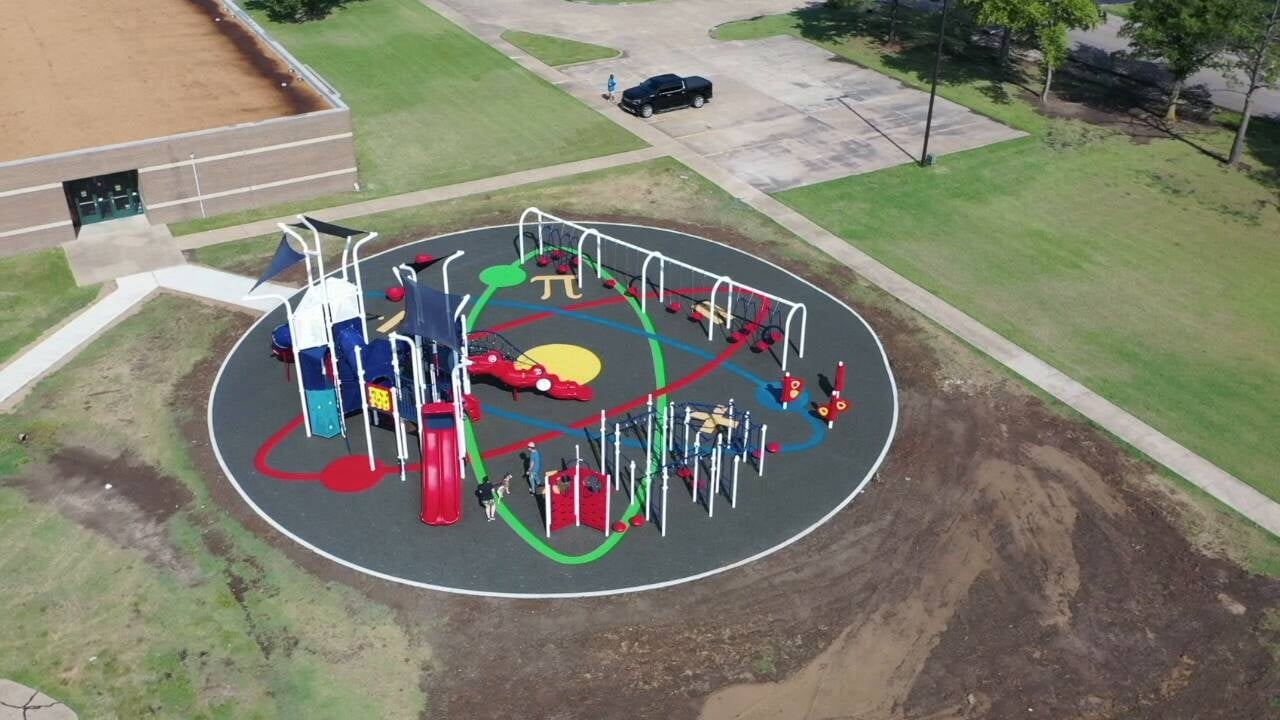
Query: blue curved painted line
{"points": [[764, 390], [544, 425]]}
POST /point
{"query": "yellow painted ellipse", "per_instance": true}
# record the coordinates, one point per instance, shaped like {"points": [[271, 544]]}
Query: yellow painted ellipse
{"points": [[567, 362]]}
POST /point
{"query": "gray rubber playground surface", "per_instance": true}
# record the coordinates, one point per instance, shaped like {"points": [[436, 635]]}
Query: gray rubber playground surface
{"points": [[378, 530]]}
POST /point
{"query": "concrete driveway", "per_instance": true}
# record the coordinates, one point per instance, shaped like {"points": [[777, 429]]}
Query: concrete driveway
{"points": [[786, 113]]}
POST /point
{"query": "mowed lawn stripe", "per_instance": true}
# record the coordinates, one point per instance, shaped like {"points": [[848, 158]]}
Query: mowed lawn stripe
{"points": [[1146, 271]]}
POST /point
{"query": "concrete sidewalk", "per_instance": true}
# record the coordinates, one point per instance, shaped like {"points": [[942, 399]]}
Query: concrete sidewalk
{"points": [[131, 290]]}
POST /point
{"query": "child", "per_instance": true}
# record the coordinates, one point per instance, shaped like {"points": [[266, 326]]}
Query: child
{"points": [[612, 85]]}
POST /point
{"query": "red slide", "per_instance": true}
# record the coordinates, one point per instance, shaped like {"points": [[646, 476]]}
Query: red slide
{"points": [[441, 481]]}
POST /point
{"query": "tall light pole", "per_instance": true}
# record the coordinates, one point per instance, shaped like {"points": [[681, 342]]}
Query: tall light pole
{"points": [[933, 90]]}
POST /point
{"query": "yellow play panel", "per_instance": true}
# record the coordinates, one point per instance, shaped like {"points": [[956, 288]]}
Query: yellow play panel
{"points": [[565, 361]]}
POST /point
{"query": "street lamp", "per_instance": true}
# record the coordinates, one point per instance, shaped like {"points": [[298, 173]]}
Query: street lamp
{"points": [[933, 91]]}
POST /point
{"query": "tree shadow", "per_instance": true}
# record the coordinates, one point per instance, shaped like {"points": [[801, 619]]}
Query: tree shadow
{"points": [[1263, 142], [295, 11]]}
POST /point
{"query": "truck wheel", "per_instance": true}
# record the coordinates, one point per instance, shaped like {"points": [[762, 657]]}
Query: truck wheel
{"points": [[698, 101], [646, 111]]}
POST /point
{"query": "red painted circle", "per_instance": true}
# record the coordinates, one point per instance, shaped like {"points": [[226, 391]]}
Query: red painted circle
{"points": [[351, 474]]}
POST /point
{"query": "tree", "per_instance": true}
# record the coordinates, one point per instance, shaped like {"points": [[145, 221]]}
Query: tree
{"points": [[893, 21], [1254, 56], [1186, 34], [1055, 18], [1045, 21], [1011, 16]]}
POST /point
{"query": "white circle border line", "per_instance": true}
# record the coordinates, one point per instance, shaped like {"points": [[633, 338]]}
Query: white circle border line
{"points": [[871, 472]]}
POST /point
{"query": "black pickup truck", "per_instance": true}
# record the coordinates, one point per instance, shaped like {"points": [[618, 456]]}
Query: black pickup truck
{"points": [[666, 92]]}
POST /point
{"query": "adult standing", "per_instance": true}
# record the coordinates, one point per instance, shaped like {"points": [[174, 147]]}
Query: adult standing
{"points": [[533, 467]]}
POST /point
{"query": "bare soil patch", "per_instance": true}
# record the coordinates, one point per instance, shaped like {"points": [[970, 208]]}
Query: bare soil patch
{"points": [[1007, 558], [119, 498], [85, 74]]}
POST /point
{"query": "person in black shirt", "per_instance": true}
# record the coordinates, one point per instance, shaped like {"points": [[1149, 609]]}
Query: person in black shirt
{"points": [[488, 498]]}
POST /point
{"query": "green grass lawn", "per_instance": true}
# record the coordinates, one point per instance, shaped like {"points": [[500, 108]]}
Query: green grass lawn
{"points": [[557, 51], [433, 105], [189, 616], [1144, 269], [37, 291]]}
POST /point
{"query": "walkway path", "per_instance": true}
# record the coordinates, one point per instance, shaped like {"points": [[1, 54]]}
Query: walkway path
{"points": [[52, 352]]}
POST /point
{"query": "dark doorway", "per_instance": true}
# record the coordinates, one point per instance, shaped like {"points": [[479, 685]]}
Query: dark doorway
{"points": [[104, 197]]}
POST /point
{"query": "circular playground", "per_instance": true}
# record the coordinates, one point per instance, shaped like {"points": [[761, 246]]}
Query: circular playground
{"points": [[667, 407]]}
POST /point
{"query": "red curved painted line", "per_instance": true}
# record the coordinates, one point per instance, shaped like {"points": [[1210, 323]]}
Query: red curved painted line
{"points": [[260, 460]]}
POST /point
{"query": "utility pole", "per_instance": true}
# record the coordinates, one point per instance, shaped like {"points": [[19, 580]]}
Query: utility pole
{"points": [[933, 91]]}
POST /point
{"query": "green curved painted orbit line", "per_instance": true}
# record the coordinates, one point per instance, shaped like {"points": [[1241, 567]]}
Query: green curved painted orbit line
{"points": [[660, 380]]}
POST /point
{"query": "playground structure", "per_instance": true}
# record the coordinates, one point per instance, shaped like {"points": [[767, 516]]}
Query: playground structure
{"points": [[420, 375], [632, 410], [414, 376]]}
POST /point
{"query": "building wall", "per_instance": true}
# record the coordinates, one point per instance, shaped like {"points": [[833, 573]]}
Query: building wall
{"points": [[238, 168]]}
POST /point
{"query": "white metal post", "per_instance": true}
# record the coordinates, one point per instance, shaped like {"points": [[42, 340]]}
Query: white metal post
{"points": [[764, 430], [685, 449], [714, 485], [697, 463], [732, 422], [648, 497], [604, 446], [444, 268], [577, 481], [364, 406], [546, 504], [617, 449], [607, 505], [648, 436], [663, 529], [733, 496], [633, 482], [355, 261]]}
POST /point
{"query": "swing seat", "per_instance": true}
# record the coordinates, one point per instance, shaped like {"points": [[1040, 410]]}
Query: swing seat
{"points": [[683, 472], [749, 327], [637, 521], [557, 254], [633, 292], [611, 283], [543, 261], [673, 307], [563, 269], [773, 336], [619, 527], [736, 337], [696, 316], [760, 346]]}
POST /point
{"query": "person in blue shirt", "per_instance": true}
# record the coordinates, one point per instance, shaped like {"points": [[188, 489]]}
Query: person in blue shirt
{"points": [[612, 85], [533, 468]]}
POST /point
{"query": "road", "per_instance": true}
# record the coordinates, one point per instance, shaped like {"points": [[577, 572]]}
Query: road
{"points": [[1224, 92]]}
